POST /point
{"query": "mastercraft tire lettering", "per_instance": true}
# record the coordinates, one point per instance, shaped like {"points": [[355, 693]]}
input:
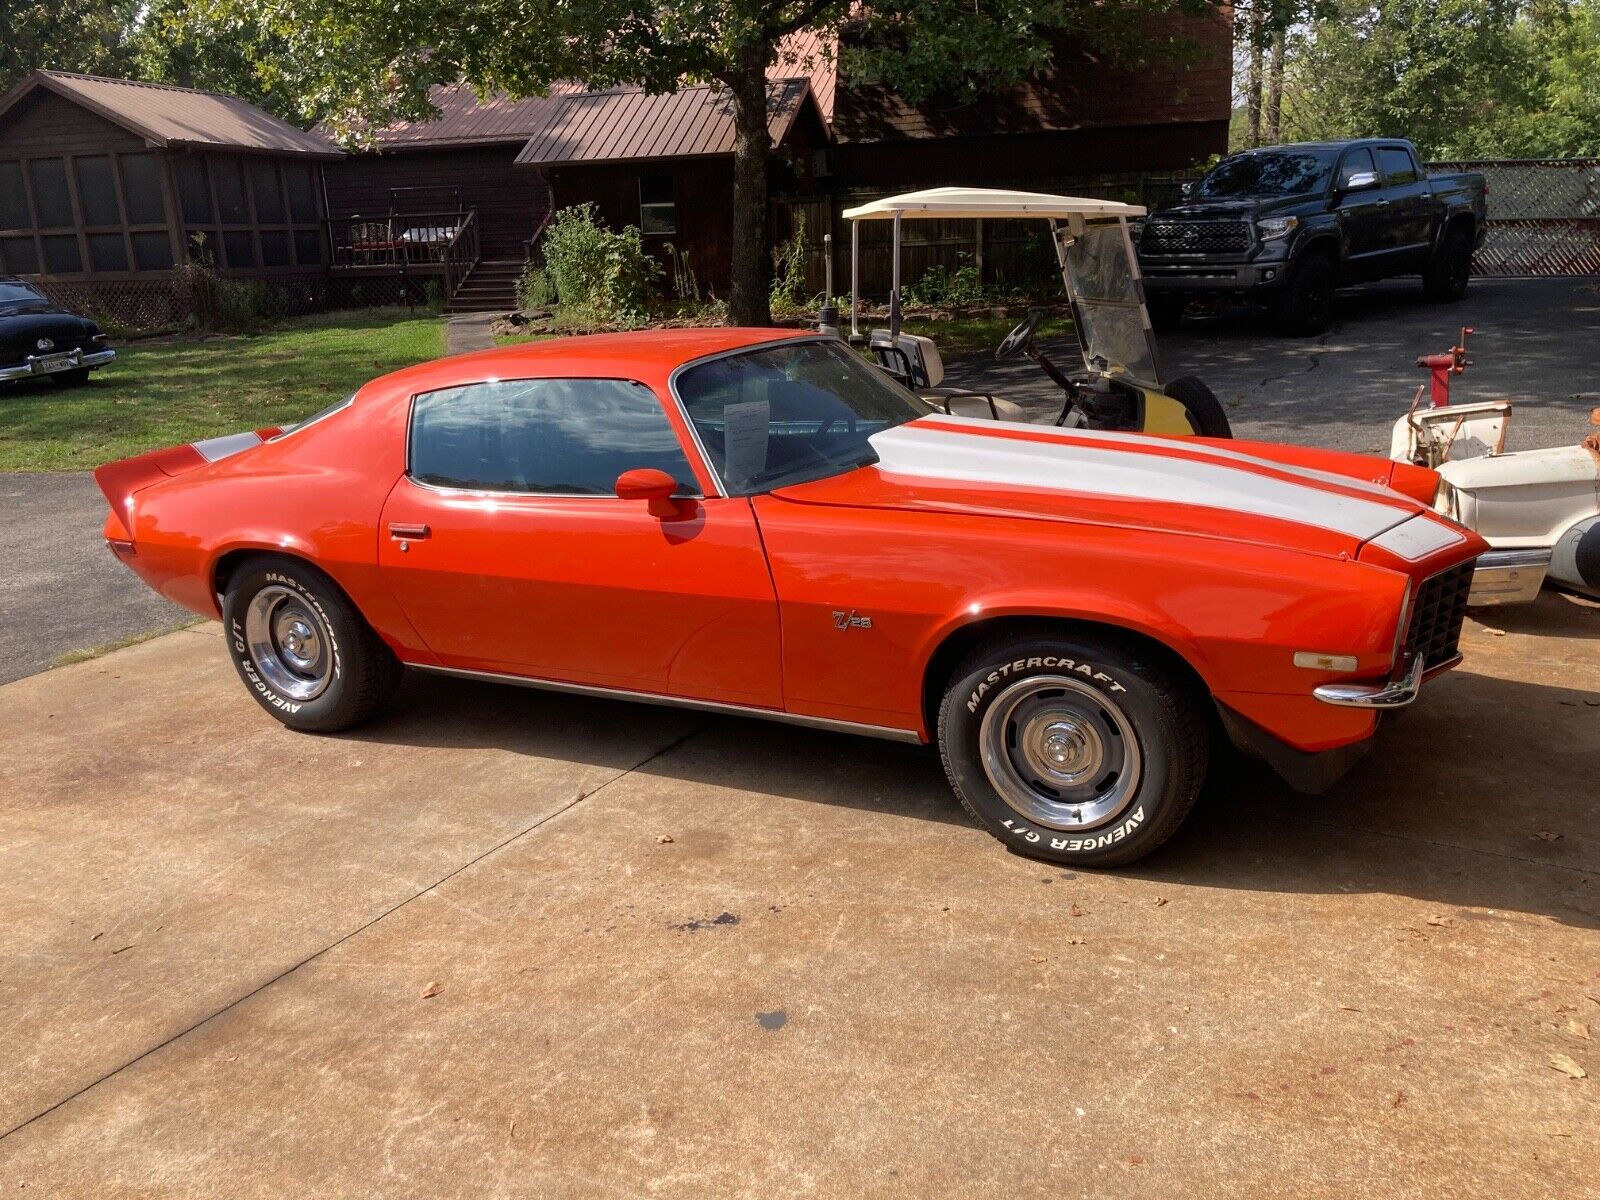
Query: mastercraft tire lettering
{"points": [[302, 649], [1074, 749]]}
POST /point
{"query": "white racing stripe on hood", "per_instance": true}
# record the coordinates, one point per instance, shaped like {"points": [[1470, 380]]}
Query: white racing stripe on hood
{"points": [[1227, 483]]}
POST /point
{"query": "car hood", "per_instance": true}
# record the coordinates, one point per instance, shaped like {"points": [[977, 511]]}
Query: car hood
{"points": [[1193, 486]]}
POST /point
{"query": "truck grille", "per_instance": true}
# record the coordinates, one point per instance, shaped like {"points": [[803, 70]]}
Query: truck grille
{"points": [[1195, 237], [1435, 625]]}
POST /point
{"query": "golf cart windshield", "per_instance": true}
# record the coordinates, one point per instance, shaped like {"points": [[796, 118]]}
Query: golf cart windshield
{"points": [[1110, 313]]}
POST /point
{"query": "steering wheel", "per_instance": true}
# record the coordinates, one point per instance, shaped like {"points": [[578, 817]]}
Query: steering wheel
{"points": [[1020, 338]]}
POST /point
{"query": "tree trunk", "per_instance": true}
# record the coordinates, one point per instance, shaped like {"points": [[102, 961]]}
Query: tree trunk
{"points": [[1275, 90], [749, 303], [1252, 91]]}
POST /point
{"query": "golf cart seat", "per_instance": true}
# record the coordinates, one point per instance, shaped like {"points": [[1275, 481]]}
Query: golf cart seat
{"points": [[914, 361]]}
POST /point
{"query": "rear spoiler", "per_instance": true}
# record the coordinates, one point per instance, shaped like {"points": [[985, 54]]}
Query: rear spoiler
{"points": [[121, 479]]}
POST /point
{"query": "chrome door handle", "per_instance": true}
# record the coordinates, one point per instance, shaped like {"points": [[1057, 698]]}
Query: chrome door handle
{"points": [[1383, 204], [409, 533]]}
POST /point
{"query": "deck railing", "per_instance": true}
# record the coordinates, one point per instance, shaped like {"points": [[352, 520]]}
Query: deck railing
{"points": [[419, 239], [461, 253]]}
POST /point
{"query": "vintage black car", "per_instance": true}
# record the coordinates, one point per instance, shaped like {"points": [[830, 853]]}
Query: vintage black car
{"points": [[39, 340]]}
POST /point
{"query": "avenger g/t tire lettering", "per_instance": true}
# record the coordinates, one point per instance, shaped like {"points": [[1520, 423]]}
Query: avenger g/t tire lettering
{"points": [[1073, 749], [303, 650]]}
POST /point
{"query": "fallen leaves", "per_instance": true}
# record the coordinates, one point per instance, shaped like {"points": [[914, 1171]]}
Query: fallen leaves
{"points": [[1077, 911], [1546, 835], [1161, 901], [663, 839], [1441, 922], [1560, 1062], [432, 990], [1578, 1030]]}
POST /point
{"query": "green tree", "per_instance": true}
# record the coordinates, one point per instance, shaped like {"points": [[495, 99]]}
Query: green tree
{"points": [[357, 62], [66, 35], [185, 42]]}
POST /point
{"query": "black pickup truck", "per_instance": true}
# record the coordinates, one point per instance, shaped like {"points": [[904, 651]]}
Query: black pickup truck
{"points": [[1286, 225]]}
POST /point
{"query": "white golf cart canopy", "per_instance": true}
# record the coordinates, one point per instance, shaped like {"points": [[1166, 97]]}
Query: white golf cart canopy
{"points": [[1093, 250], [969, 204]]}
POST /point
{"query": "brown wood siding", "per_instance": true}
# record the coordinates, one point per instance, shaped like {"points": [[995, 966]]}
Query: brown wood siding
{"points": [[511, 201], [1023, 160], [703, 197], [44, 125]]}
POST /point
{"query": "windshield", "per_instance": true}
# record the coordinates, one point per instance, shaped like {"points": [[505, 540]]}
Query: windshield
{"points": [[1110, 315], [790, 413], [13, 293], [1269, 173]]}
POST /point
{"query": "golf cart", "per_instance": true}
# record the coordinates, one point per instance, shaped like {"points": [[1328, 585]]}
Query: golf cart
{"points": [[1119, 387], [1539, 510]]}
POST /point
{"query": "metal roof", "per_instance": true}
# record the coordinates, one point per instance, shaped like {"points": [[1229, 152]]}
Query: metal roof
{"points": [[962, 203], [627, 124], [465, 120], [173, 116]]}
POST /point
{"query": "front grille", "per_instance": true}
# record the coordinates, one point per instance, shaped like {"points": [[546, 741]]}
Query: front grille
{"points": [[1195, 237], [1435, 625]]}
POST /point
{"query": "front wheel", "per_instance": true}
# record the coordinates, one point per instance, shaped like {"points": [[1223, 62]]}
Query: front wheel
{"points": [[1304, 306], [1205, 411], [1073, 749], [306, 654]]}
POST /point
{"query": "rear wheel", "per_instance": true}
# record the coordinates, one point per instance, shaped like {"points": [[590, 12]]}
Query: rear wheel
{"points": [[1304, 305], [304, 651], [1445, 280], [1073, 749], [1200, 402]]}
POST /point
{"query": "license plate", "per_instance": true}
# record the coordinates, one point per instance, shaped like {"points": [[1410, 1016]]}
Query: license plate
{"points": [[53, 362]]}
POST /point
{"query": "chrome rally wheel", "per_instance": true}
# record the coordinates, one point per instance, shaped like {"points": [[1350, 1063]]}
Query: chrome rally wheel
{"points": [[289, 643], [1060, 752]]}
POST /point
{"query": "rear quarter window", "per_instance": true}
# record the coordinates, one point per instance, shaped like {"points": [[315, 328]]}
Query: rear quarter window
{"points": [[1396, 164]]}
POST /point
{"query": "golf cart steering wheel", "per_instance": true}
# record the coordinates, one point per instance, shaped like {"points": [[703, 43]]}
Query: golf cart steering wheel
{"points": [[1020, 338]]}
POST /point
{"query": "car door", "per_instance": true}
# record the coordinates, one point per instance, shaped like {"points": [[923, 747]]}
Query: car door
{"points": [[509, 550], [1362, 213], [1409, 195]]}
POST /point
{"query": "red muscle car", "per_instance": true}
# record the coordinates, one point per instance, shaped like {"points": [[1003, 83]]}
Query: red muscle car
{"points": [[751, 522]]}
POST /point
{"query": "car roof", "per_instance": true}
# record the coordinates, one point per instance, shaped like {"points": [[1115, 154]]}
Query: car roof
{"points": [[648, 355]]}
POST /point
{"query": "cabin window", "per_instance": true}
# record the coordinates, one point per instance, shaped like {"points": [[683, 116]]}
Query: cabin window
{"points": [[307, 247], [240, 248], [152, 252], [107, 252], [567, 437], [274, 248], [141, 190], [20, 254], [14, 212], [61, 255], [51, 199], [658, 211], [301, 183], [194, 192], [228, 175], [268, 195], [97, 190]]}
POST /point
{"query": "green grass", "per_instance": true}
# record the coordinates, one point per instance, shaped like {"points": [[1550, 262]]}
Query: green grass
{"points": [[963, 336], [168, 393], [67, 658]]}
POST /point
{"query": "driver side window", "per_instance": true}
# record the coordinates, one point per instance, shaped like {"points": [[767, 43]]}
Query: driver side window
{"points": [[1357, 161], [570, 437]]}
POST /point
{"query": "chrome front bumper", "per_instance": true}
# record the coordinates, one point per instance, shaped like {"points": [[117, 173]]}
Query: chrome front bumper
{"points": [[30, 367], [1397, 693], [1508, 576]]}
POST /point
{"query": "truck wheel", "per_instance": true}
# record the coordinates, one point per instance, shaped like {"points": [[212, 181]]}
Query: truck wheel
{"points": [[1204, 409], [1073, 749], [1166, 312], [1305, 304], [303, 650], [1445, 280]]}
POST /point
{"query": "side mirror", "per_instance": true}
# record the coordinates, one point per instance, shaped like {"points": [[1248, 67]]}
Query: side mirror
{"points": [[648, 484], [1360, 181]]}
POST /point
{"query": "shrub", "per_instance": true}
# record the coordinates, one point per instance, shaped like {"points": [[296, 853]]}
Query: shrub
{"points": [[433, 296], [940, 286], [608, 274], [535, 288], [789, 274]]}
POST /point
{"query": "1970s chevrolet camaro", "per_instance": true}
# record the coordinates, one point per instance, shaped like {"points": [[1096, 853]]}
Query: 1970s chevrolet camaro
{"points": [[751, 522]]}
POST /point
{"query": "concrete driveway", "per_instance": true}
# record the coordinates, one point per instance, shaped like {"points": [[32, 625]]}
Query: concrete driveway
{"points": [[506, 943]]}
